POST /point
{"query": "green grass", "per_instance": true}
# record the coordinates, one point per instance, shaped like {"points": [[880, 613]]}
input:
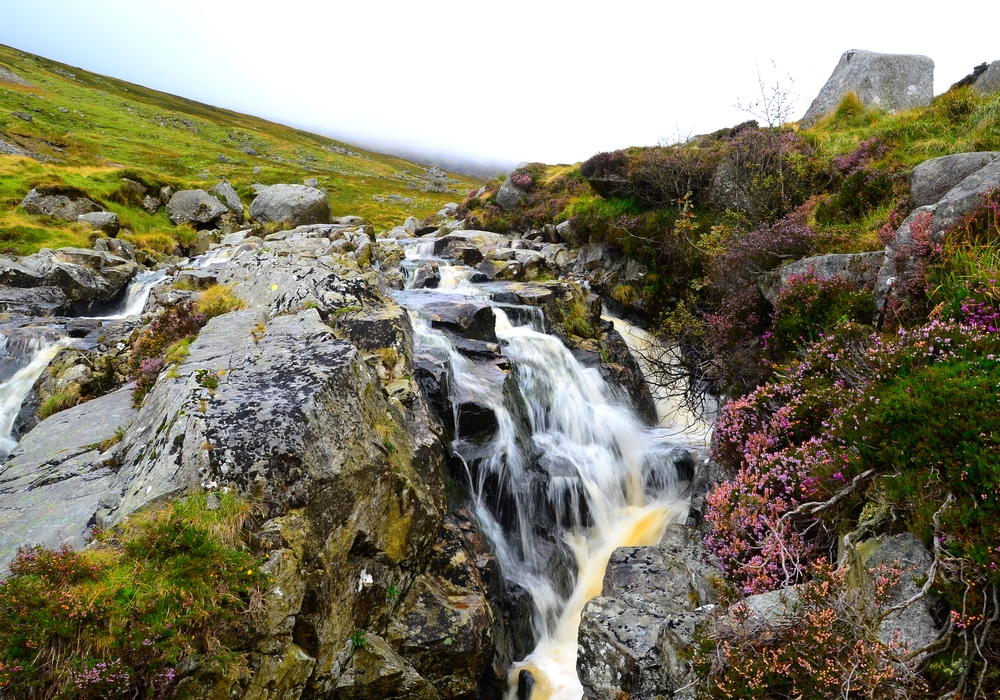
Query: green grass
{"points": [[116, 129]]}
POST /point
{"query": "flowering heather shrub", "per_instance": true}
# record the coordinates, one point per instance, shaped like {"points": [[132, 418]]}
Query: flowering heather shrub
{"points": [[867, 151], [862, 191], [826, 648], [116, 620], [808, 306], [607, 164], [521, 179]]}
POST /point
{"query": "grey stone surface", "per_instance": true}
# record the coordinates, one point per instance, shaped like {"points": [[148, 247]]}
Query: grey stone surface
{"points": [[466, 316], [10, 149], [860, 269], [57, 477], [989, 82], [9, 76], [888, 274], [293, 204], [914, 625], [509, 196], [105, 221], [60, 206], [633, 639], [963, 198], [33, 301], [151, 204], [194, 207], [226, 191], [892, 82], [932, 179], [86, 276]]}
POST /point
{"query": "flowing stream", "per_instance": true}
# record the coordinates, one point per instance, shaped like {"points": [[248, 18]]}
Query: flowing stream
{"points": [[570, 473], [16, 389]]}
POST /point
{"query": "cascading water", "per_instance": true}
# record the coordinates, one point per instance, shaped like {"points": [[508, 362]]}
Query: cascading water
{"points": [[583, 478], [16, 389]]}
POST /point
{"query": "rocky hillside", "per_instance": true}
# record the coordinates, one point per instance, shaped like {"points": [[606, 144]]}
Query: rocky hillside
{"points": [[120, 144]]}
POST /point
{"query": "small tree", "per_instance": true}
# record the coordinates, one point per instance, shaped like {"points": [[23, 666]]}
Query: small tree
{"points": [[773, 107]]}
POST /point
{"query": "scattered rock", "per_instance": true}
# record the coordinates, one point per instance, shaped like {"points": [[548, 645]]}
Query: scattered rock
{"points": [[151, 204], [194, 207], [33, 301], [294, 205], [105, 221], [892, 82], [311, 182], [23, 116]]}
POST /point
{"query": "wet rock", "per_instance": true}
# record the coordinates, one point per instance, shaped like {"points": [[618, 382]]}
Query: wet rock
{"points": [[293, 205], [203, 241], [427, 276], [932, 179], [860, 269], [105, 221], [194, 207], [197, 278], [466, 316], [53, 202], [34, 301], [634, 639], [892, 82], [375, 671], [57, 477]]}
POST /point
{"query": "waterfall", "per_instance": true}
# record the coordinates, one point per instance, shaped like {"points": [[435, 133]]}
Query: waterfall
{"points": [[571, 479], [136, 296], [16, 389]]}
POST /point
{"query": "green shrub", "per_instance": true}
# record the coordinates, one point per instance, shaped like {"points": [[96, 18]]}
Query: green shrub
{"points": [[808, 307]]}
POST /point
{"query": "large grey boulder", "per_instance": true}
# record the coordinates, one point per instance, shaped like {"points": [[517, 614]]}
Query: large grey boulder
{"points": [[42, 202], [105, 221], [509, 195], [194, 207], [989, 81], [892, 82], [226, 191], [860, 269], [33, 301], [294, 205], [932, 179], [963, 199], [58, 476]]}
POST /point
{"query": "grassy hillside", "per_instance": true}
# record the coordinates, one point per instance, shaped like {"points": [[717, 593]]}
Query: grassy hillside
{"points": [[88, 131]]}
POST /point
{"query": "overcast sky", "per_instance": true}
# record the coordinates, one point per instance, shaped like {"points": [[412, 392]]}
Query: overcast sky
{"points": [[501, 81]]}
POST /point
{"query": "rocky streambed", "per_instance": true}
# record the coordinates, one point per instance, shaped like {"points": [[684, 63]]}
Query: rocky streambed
{"points": [[443, 462]]}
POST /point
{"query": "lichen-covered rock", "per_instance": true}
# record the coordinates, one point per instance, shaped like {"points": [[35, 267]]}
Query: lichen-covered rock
{"points": [[509, 195], [892, 82], [232, 200], [294, 205], [106, 221], [87, 277]]}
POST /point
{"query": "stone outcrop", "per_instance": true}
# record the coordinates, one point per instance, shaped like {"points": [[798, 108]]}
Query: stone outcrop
{"points": [[9, 76], [509, 195], [232, 200], [60, 204], [859, 269], [989, 81], [633, 638], [932, 222], [892, 82], [86, 278], [295, 205], [104, 221], [932, 179]]}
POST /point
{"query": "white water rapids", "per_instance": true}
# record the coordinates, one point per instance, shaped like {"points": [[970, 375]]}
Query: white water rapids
{"points": [[610, 481]]}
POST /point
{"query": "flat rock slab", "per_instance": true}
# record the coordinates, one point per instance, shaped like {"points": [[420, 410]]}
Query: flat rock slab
{"points": [[467, 316], [931, 180], [56, 479], [860, 269]]}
